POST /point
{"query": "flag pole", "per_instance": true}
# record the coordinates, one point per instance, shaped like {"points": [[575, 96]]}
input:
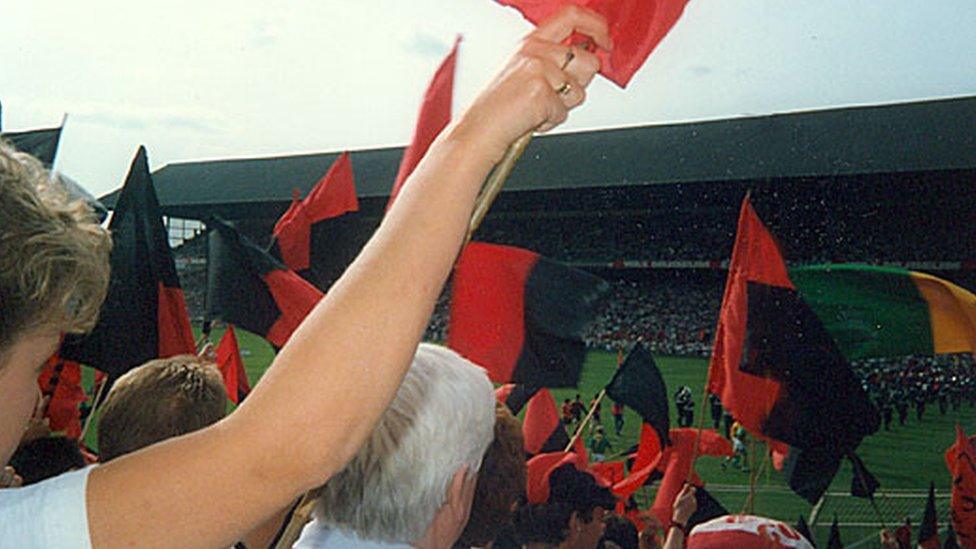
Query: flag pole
{"points": [[579, 428], [303, 511], [701, 426], [493, 186], [94, 408]]}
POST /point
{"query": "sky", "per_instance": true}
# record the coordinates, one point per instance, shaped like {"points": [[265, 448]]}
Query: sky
{"points": [[229, 79]]}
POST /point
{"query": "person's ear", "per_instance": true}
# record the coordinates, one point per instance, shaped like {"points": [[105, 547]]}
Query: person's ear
{"points": [[460, 493]]}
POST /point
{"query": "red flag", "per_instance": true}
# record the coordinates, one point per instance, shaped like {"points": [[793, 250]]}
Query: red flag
{"points": [[645, 463], [961, 460], [678, 463], [755, 256], [232, 367], [539, 468], [608, 472], [144, 299], [777, 369], [435, 114], [636, 28], [522, 316], [60, 381], [541, 429], [249, 288], [320, 236], [333, 196]]}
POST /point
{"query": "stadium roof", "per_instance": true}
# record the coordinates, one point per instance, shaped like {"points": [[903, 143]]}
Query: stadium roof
{"points": [[904, 137]]}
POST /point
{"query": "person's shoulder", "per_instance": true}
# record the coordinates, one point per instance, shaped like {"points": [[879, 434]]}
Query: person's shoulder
{"points": [[52, 513]]}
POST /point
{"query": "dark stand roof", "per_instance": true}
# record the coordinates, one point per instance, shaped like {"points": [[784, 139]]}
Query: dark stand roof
{"points": [[906, 137]]}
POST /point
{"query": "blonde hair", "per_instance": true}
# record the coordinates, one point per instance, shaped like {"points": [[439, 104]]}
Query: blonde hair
{"points": [[54, 267], [161, 399]]}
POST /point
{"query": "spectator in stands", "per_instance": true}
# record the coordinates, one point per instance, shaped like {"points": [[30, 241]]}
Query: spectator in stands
{"points": [[46, 457], [572, 516], [501, 483], [317, 404], [413, 481]]}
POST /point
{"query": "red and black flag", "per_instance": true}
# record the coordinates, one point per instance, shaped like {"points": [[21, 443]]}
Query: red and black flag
{"points": [[60, 383], [514, 396], [232, 367], [678, 465], [435, 114], [145, 301], [249, 288], [319, 237], [638, 384], [833, 542], [928, 532], [804, 529], [542, 430], [961, 461], [775, 366], [636, 28], [522, 316]]}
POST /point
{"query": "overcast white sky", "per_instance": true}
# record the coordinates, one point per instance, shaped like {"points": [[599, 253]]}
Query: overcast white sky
{"points": [[195, 79]]}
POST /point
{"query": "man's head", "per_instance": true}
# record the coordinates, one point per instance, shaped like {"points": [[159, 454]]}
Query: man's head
{"points": [[573, 514], [53, 278], [161, 399], [414, 478], [501, 482]]}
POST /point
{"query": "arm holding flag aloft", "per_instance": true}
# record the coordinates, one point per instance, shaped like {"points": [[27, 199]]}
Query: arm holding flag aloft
{"points": [[333, 379]]}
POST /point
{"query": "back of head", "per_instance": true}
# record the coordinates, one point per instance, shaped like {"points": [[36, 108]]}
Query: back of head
{"points": [[46, 457], [53, 254], [440, 421], [161, 399], [620, 531], [501, 482]]}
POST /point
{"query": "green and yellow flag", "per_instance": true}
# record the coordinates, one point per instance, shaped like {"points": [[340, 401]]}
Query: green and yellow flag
{"points": [[875, 311]]}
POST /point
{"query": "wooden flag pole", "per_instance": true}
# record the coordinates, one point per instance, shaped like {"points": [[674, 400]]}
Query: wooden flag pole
{"points": [[94, 408], [303, 512], [493, 186], [579, 428]]}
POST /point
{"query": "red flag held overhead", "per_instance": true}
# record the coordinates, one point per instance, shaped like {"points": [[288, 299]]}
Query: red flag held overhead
{"points": [[636, 28]]}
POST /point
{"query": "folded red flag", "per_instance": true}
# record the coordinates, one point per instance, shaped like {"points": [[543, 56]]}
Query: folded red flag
{"points": [[435, 114], [636, 28], [232, 367], [542, 430], [678, 464], [522, 316], [315, 238]]}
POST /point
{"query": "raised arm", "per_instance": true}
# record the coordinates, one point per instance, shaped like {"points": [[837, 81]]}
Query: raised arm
{"points": [[329, 385]]}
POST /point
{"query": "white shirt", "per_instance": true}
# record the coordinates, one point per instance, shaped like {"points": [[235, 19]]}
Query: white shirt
{"points": [[316, 535], [51, 513]]}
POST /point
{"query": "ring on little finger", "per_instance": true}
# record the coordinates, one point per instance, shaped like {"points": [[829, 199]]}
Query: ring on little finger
{"points": [[564, 89]]}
